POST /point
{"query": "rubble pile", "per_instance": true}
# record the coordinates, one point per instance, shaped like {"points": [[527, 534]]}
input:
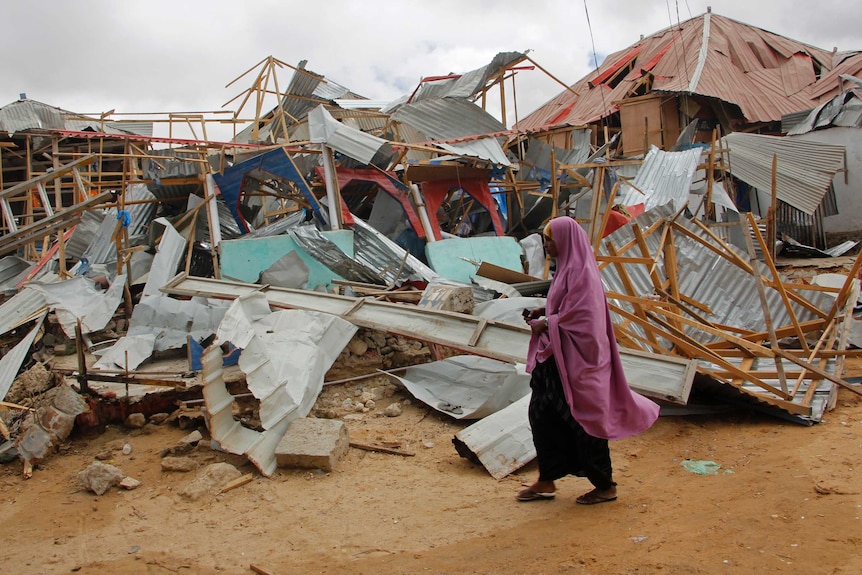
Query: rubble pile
{"points": [[296, 271]]}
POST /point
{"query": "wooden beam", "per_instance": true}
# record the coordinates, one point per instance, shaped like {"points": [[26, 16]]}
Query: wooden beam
{"points": [[777, 283], [764, 304]]}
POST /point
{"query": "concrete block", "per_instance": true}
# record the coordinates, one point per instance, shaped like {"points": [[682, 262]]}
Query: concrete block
{"points": [[448, 298], [312, 443]]}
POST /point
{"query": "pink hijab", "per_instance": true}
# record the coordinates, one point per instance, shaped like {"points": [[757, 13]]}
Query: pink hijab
{"points": [[581, 339]]}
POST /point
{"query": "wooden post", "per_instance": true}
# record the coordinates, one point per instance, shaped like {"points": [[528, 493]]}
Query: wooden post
{"points": [[605, 217], [213, 222], [503, 99], [770, 218], [761, 291], [708, 212], [646, 135], [61, 242], [555, 185], [598, 191], [82, 359], [55, 162]]}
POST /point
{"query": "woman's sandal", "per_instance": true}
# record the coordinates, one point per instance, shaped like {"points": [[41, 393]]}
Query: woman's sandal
{"points": [[530, 495], [593, 497]]}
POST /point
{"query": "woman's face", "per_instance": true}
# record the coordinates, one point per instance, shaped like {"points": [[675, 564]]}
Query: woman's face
{"points": [[550, 246]]}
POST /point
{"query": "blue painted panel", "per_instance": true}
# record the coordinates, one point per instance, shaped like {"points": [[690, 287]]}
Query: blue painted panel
{"points": [[444, 256], [275, 162], [243, 260]]}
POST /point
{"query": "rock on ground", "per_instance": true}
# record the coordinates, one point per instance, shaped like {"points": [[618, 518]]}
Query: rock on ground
{"points": [[32, 382], [99, 477], [183, 464], [210, 480]]}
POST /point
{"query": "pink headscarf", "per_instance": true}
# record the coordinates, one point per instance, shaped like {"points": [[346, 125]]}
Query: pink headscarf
{"points": [[581, 339]]}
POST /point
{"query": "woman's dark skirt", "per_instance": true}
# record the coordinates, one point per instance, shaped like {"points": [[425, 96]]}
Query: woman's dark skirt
{"points": [[562, 446]]}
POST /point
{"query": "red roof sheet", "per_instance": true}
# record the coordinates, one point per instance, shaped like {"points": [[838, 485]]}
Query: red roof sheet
{"points": [[764, 74]]}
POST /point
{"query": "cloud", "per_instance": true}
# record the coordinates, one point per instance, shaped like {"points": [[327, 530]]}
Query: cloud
{"points": [[161, 56]]}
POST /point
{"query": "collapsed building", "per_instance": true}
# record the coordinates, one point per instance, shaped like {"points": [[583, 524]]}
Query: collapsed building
{"points": [[332, 213]]}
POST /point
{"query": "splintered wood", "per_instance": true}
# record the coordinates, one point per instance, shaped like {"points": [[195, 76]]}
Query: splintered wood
{"points": [[675, 287]]}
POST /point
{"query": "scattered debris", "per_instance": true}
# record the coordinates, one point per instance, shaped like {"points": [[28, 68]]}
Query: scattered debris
{"points": [[701, 467], [311, 443], [99, 477], [210, 481], [181, 464], [336, 230], [44, 428]]}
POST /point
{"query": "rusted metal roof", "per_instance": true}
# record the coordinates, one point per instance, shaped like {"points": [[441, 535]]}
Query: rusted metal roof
{"points": [[764, 74]]}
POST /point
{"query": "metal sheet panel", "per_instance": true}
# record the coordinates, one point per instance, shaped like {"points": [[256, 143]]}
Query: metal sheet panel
{"points": [[444, 119], [660, 377], [102, 248], [762, 73], [663, 177], [730, 292], [26, 115], [805, 168], [11, 362], [21, 308]]}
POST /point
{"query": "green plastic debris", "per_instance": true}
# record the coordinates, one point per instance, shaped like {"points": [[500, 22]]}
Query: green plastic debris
{"points": [[701, 467]]}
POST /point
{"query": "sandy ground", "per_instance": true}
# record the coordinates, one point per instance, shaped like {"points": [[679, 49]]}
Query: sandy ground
{"points": [[787, 499]]}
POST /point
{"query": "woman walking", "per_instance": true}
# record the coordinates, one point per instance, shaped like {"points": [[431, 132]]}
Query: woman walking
{"points": [[580, 396]]}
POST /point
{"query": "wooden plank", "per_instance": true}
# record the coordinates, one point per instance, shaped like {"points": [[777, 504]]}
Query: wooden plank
{"points": [[238, 482], [819, 371], [22, 187], [764, 304], [742, 344], [260, 570], [478, 332], [696, 349], [630, 288], [66, 218], [358, 304], [640, 241], [828, 339], [381, 448], [779, 285], [784, 404]]}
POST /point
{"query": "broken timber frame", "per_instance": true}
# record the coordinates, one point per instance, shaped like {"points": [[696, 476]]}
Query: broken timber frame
{"points": [[668, 320]]}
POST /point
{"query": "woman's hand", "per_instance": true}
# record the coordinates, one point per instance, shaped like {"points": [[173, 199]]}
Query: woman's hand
{"points": [[531, 314], [537, 326]]}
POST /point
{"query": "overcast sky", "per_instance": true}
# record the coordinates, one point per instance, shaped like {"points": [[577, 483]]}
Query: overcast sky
{"points": [[136, 56]]}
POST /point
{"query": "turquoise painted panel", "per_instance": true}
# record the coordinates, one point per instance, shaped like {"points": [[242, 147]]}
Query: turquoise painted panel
{"points": [[445, 256], [243, 260]]}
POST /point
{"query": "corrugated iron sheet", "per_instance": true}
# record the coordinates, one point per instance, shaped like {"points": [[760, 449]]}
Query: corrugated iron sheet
{"points": [[484, 149], [32, 115], [306, 91], [844, 110], [448, 118], [470, 83], [663, 177], [764, 74], [27, 304], [376, 251], [330, 255], [797, 73], [730, 292], [751, 393], [102, 248], [11, 362], [804, 172]]}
